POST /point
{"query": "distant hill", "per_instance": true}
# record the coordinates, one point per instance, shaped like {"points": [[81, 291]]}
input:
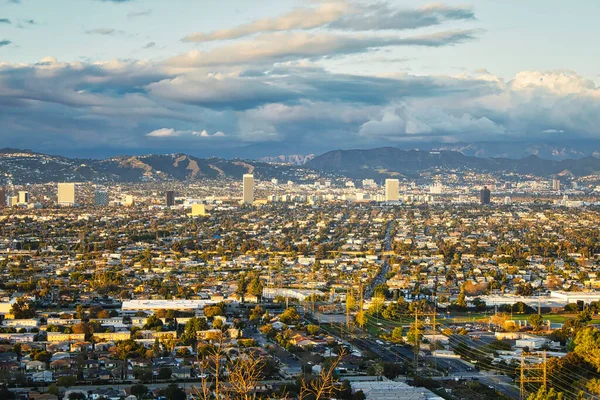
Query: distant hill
{"points": [[24, 166], [391, 161], [294, 159]]}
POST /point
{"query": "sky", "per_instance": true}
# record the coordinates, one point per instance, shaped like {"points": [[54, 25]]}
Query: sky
{"points": [[228, 78]]}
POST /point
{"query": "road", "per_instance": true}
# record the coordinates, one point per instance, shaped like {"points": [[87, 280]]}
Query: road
{"points": [[385, 267]]}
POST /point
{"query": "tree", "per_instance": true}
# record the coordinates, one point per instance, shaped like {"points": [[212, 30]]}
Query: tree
{"points": [[153, 322], [173, 392], [289, 316], [543, 394], [67, 381], [255, 287], [461, 301], [53, 389], [156, 349], [536, 321], [361, 318], [165, 373], [79, 312], [499, 319], [257, 313], [43, 356], [397, 334], [242, 286], [415, 333], [323, 386], [312, 329], [21, 309], [139, 390], [587, 345]]}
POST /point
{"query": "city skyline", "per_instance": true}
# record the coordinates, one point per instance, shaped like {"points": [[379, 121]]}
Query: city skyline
{"points": [[108, 77]]}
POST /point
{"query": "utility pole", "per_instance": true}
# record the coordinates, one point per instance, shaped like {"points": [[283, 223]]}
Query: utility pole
{"points": [[416, 349], [434, 334], [543, 379]]}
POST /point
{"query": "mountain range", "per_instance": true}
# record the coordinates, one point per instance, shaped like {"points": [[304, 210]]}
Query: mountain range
{"points": [[391, 161], [25, 166]]}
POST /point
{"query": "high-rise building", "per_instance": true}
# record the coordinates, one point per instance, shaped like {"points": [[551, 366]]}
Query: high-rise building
{"points": [[129, 200], [392, 188], [101, 198], [2, 197], [23, 197], [248, 183], [485, 195], [170, 198], [66, 194], [555, 184]]}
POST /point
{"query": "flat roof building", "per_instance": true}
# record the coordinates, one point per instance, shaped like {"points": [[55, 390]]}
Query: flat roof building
{"points": [[392, 188], [66, 194], [248, 187]]}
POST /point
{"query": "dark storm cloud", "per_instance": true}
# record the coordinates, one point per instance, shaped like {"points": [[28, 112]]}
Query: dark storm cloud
{"points": [[5, 42], [4, 21]]}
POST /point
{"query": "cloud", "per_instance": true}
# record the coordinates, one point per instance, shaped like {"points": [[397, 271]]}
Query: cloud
{"points": [[382, 16], [343, 15], [4, 42], [5, 21], [220, 91], [170, 133], [136, 14], [278, 47], [132, 105], [101, 31], [398, 122], [149, 45]]}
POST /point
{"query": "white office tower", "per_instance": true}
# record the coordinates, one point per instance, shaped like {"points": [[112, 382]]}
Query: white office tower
{"points": [[369, 183], [66, 194], [436, 188], [507, 200], [392, 187], [23, 197], [101, 198], [248, 183], [129, 200]]}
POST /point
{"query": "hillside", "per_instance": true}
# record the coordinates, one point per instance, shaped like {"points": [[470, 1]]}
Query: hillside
{"points": [[23, 166], [391, 161]]}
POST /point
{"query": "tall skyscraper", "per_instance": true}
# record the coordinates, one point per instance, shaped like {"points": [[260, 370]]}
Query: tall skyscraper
{"points": [[23, 197], [2, 197], [392, 187], [66, 194], [248, 183], [485, 195], [101, 198], [555, 184], [170, 198]]}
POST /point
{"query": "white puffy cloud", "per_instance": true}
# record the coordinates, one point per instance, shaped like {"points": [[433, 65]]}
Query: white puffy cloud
{"points": [[170, 133]]}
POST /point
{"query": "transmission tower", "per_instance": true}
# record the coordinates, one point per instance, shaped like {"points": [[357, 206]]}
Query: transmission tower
{"points": [[526, 378]]}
